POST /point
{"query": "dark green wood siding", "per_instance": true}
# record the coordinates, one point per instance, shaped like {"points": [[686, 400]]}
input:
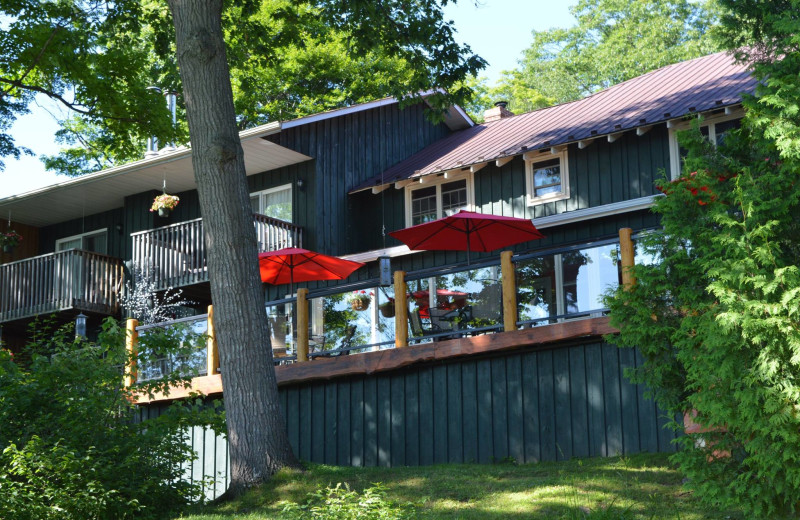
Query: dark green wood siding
{"points": [[600, 174], [551, 404], [107, 220], [529, 406], [347, 151]]}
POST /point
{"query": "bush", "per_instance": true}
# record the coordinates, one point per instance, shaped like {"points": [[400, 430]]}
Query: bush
{"points": [[342, 503], [716, 321], [72, 443]]}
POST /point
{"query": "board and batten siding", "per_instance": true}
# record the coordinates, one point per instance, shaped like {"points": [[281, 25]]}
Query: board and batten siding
{"points": [[602, 173], [536, 405], [348, 150], [95, 222]]}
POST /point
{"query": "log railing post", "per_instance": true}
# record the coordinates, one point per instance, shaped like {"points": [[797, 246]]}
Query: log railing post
{"points": [[302, 324], [131, 339], [212, 352], [509, 291], [626, 252], [400, 310]]}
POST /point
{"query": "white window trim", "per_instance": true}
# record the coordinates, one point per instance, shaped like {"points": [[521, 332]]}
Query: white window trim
{"points": [[437, 181], [530, 161], [82, 235], [273, 190], [710, 122]]}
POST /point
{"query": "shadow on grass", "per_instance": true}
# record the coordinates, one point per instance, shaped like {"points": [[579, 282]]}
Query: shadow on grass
{"points": [[638, 487]]}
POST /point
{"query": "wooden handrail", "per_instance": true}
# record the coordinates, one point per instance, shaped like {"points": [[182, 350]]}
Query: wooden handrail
{"points": [[71, 279], [177, 252]]}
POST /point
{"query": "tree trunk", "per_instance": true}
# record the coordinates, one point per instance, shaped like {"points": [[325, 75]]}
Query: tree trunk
{"points": [[258, 441]]}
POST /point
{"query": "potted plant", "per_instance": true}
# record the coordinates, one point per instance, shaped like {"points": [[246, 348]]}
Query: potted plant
{"points": [[359, 301], [387, 308], [9, 240], [164, 203]]}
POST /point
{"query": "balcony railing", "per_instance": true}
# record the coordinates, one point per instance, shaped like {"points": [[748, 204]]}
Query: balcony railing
{"points": [[177, 253], [72, 279]]}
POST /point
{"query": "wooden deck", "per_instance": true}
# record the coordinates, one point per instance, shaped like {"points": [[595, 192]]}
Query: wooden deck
{"points": [[72, 279], [392, 359]]}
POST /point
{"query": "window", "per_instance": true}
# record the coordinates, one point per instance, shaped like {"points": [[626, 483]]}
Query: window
{"points": [[94, 241], [713, 128], [547, 177], [274, 202], [438, 198]]}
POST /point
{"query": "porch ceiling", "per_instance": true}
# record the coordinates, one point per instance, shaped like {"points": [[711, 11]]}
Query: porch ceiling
{"points": [[107, 189]]}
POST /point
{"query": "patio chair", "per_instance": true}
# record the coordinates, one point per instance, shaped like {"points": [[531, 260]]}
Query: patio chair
{"points": [[417, 328]]}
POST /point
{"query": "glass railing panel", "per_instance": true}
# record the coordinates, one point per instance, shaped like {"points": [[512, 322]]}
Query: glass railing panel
{"points": [[455, 303], [537, 290], [354, 321], [174, 348], [566, 285], [283, 328], [588, 273]]}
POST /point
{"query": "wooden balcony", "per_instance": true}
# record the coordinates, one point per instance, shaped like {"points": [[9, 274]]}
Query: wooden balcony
{"points": [[177, 253], [72, 279]]}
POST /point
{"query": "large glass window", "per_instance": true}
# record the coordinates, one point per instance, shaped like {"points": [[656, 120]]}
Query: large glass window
{"points": [[432, 201], [547, 177], [274, 202]]}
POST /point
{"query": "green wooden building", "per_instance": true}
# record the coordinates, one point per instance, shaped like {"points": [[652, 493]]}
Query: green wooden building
{"points": [[468, 386]]}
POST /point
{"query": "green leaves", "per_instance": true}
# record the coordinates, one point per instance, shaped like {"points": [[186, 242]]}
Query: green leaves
{"points": [[716, 319], [287, 59], [73, 443], [614, 40]]}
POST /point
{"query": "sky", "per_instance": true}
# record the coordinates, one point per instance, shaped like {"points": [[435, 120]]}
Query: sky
{"points": [[497, 30]]}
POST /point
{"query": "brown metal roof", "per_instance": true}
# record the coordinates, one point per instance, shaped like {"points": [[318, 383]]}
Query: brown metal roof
{"points": [[693, 86]]}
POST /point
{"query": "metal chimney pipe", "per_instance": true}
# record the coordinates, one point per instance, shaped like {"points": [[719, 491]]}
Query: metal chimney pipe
{"points": [[171, 97], [152, 142]]}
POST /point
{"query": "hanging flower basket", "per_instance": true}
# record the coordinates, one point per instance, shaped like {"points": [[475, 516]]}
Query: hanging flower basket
{"points": [[387, 308], [164, 204], [9, 240], [360, 301]]}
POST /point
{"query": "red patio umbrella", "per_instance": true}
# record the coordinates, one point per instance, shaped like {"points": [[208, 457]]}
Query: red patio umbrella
{"points": [[468, 231], [293, 264]]}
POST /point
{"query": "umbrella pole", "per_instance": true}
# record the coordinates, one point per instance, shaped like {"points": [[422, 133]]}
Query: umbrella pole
{"points": [[468, 232]]}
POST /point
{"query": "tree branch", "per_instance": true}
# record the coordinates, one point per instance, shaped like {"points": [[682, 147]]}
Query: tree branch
{"points": [[35, 61], [72, 106]]}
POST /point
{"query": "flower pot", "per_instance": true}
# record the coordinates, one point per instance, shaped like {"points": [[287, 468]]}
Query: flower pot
{"points": [[359, 304], [8, 249], [387, 309], [163, 212]]}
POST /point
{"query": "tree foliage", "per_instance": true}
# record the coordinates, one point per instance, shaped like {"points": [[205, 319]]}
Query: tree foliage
{"points": [[86, 55], [71, 443], [287, 59], [613, 41], [716, 313], [767, 36]]}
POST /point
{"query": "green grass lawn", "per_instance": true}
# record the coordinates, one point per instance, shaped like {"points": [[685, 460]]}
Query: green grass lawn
{"points": [[637, 487]]}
